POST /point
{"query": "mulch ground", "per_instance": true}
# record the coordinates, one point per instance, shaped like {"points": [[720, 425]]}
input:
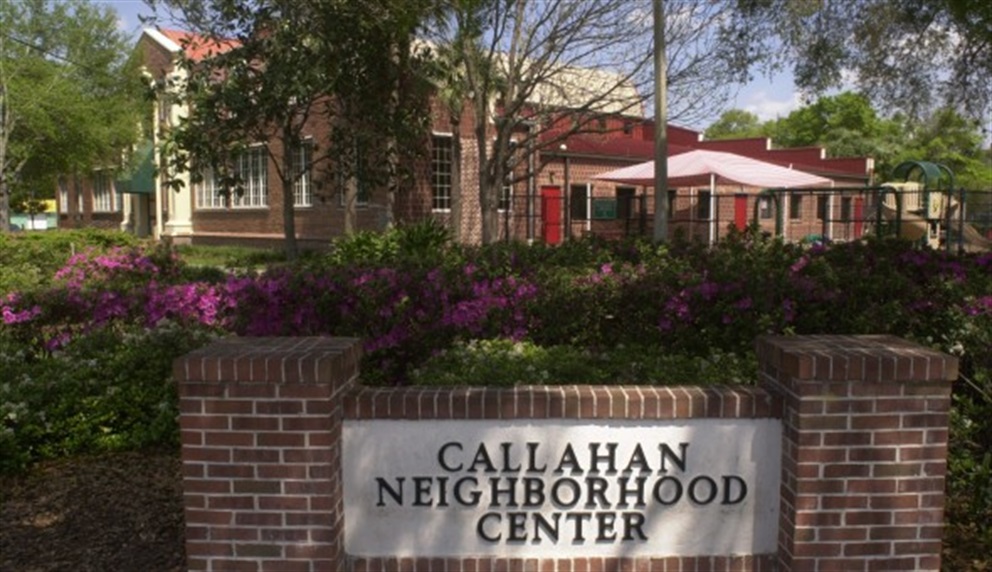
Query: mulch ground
{"points": [[119, 512]]}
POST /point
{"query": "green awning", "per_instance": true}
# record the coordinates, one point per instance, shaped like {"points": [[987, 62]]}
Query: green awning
{"points": [[140, 178]]}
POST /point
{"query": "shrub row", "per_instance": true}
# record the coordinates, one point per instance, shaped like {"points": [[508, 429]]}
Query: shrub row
{"points": [[436, 313]]}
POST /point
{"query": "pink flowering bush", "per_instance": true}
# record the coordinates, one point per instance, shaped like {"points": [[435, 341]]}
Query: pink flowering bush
{"points": [[75, 346]]}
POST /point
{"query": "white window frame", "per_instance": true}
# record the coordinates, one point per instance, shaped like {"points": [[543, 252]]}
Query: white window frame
{"points": [[207, 195], [251, 167], [505, 202], [105, 198], [765, 208], [302, 169], [63, 195], [441, 172]]}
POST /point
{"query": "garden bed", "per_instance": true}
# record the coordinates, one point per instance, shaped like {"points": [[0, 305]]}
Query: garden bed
{"points": [[87, 342]]}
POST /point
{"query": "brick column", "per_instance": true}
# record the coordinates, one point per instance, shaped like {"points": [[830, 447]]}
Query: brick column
{"points": [[261, 431], [864, 450]]}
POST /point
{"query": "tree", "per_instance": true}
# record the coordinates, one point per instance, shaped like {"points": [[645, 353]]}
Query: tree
{"points": [[906, 55], [735, 124], [534, 72], [278, 66], [70, 96], [847, 125], [949, 139]]}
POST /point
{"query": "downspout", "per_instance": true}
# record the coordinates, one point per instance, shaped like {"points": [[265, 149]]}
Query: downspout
{"points": [[712, 209], [588, 208]]}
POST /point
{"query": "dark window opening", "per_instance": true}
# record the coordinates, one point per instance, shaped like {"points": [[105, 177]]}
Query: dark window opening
{"points": [[578, 201], [625, 202]]}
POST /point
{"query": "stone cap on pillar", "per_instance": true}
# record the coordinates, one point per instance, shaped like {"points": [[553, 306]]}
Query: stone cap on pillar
{"points": [[868, 359], [282, 360]]}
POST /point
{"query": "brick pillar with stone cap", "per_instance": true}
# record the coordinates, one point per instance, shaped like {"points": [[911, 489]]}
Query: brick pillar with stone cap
{"points": [[865, 421], [261, 452]]}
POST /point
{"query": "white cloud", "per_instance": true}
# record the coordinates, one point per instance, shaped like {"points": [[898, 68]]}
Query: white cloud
{"points": [[767, 105]]}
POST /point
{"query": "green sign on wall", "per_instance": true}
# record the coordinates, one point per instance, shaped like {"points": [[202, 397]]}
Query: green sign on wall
{"points": [[603, 209]]}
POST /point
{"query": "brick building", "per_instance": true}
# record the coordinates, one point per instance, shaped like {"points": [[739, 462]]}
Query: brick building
{"points": [[552, 197]]}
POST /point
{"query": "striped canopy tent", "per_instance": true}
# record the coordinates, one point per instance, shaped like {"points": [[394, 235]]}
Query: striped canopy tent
{"points": [[700, 167]]}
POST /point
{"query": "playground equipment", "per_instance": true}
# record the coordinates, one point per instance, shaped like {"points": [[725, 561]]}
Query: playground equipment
{"points": [[925, 207]]}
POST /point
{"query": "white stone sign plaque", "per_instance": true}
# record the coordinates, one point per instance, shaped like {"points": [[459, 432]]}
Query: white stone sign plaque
{"points": [[561, 488]]}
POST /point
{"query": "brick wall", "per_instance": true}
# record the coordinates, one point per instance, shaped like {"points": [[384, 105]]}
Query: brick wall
{"points": [[260, 427], [864, 451], [863, 456]]}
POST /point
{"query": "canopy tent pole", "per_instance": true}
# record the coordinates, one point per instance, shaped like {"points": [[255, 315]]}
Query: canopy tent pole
{"points": [[712, 209]]}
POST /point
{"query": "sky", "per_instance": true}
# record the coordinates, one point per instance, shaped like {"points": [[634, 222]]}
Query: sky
{"points": [[768, 98]]}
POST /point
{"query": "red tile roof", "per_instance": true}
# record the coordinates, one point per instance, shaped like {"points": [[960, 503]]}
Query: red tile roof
{"points": [[197, 47]]}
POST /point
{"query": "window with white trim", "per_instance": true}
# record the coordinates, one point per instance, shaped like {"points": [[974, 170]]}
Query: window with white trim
{"points": [[302, 182], [441, 157], [208, 195], [63, 195], [252, 172], [358, 179], [764, 208], [506, 198], [105, 198]]}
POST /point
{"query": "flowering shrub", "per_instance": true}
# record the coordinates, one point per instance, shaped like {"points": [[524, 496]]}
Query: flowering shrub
{"points": [[74, 347], [103, 391]]}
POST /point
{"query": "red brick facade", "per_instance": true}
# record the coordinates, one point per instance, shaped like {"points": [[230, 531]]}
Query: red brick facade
{"points": [[563, 166], [863, 457]]}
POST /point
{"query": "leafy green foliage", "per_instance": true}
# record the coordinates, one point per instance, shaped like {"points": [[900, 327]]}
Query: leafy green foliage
{"points": [[422, 243], [30, 260], [734, 124], [108, 390], [848, 125], [70, 97], [428, 312], [502, 362]]}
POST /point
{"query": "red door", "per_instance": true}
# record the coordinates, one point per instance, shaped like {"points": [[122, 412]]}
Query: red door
{"points": [[859, 216], [551, 214], [740, 211]]}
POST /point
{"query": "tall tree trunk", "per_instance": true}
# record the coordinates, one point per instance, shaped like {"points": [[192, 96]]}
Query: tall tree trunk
{"points": [[288, 175], [5, 129], [456, 176], [4, 206], [485, 182], [351, 196]]}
